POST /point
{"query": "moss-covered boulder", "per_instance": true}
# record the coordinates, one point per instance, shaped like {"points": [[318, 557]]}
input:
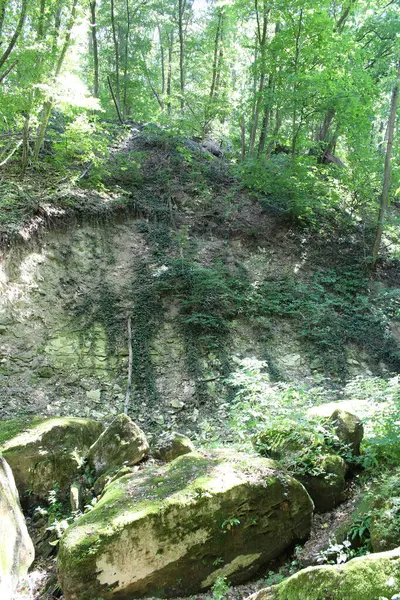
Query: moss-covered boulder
{"points": [[327, 488], [303, 451], [16, 547], [173, 530], [385, 519], [348, 426], [45, 453], [171, 445], [365, 578], [349, 429], [122, 443]]}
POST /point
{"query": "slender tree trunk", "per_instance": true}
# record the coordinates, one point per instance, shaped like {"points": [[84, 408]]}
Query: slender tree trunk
{"points": [[93, 28], [181, 12], [2, 14], [117, 108], [216, 54], [130, 363], [169, 72], [295, 129], [386, 175], [116, 53], [17, 33], [8, 70], [162, 59], [126, 58], [323, 136], [25, 147], [278, 123], [153, 89], [344, 16], [243, 137], [48, 105], [262, 40]]}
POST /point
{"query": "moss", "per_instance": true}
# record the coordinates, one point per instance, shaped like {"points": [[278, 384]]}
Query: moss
{"points": [[10, 428], [186, 514], [46, 452], [327, 489], [364, 578]]}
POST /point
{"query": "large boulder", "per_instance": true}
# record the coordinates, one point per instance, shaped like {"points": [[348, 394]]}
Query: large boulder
{"points": [[173, 530], [348, 427], [385, 514], [327, 488], [171, 445], [16, 547], [366, 578], [122, 443], [302, 450], [45, 453]]}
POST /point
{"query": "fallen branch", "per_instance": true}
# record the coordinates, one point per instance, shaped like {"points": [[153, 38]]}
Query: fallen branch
{"points": [[11, 154], [115, 101], [130, 361]]}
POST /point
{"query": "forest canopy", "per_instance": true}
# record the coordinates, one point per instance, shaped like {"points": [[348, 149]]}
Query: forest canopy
{"points": [[300, 94]]}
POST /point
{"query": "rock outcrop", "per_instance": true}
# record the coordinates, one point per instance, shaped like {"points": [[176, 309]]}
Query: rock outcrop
{"points": [[16, 547], [122, 443], [365, 578], [45, 453], [348, 427], [172, 445], [173, 530]]}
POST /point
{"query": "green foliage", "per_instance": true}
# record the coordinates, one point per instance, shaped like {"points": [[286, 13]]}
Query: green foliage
{"points": [[333, 310], [83, 141], [298, 188], [147, 313], [338, 553], [220, 588], [360, 528], [228, 524], [382, 421]]}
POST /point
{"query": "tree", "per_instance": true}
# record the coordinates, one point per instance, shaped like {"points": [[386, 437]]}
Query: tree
{"points": [[388, 157]]}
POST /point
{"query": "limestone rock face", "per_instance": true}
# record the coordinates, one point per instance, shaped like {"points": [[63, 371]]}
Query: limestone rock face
{"points": [[46, 452], [173, 530], [364, 578], [16, 547], [172, 445], [121, 443]]}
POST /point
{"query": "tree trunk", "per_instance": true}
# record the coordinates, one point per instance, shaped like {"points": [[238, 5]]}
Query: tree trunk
{"points": [[126, 58], [216, 54], [181, 11], [17, 33], [93, 27], [243, 137], [130, 363], [386, 175], [268, 104], [262, 40], [162, 59], [48, 105], [169, 73], [2, 14], [116, 53], [295, 129], [121, 120]]}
